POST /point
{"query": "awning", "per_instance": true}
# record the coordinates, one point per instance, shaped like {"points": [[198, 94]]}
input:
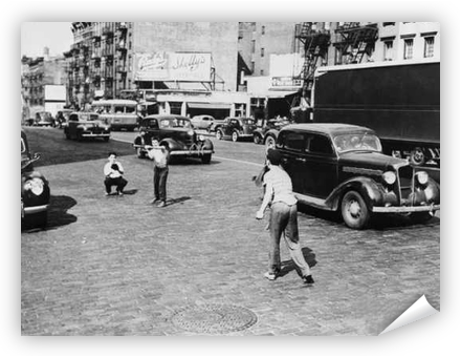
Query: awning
{"points": [[222, 106], [278, 94]]}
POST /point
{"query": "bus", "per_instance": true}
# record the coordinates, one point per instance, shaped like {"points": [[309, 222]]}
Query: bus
{"points": [[118, 113]]}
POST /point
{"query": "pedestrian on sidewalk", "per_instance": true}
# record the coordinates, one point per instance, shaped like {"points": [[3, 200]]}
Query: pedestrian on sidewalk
{"points": [[160, 156], [283, 218], [113, 171]]}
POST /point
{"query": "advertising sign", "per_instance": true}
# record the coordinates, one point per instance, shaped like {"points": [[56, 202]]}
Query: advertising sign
{"points": [[173, 66]]}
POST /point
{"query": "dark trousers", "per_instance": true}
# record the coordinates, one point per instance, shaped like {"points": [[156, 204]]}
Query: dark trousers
{"points": [[119, 182], [160, 176]]}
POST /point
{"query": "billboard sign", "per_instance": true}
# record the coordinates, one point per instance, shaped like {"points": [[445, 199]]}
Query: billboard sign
{"points": [[173, 66]]}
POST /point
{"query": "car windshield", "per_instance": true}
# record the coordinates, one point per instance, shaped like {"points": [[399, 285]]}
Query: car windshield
{"points": [[176, 122], [89, 117], [357, 141]]}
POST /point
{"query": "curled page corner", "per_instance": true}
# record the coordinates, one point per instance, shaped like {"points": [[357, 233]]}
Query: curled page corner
{"points": [[419, 310]]}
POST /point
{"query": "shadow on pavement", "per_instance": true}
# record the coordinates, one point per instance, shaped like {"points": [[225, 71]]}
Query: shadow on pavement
{"points": [[57, 214], [289, 265], [177, 200]]}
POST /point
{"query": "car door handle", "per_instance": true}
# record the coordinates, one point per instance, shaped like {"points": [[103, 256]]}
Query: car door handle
{"points": [[301, 159]]}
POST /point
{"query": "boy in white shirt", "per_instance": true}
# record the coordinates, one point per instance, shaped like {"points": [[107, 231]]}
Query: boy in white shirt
{"points": [[160, 156]]}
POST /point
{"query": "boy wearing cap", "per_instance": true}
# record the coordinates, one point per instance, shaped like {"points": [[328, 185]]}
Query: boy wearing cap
{"points": [[283, 217], [160, 156]]}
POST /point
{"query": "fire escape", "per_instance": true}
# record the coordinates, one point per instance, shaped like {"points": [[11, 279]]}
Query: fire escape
{"points": [[315, 42], [353, 41]]}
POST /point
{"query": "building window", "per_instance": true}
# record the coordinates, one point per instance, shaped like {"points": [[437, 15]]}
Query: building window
{"points": [[408, 48], [429, 47], [253, 46], [261, 72], [253, 66], [262, 52], [263, 30], [388, 50]]}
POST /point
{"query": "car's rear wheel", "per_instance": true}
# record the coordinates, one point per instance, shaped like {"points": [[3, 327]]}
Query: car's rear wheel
{"points": [[235, 136], [219, 135], [206, 159], [257, 139], [354, 210], [270, 142]]}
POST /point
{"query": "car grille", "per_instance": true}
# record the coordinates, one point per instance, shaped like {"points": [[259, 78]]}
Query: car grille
{"points": [[405, 175]]}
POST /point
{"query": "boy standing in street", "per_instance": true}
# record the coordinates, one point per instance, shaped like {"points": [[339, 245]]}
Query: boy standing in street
{"points": [[113, 171], [160, 156], [283, 217]]}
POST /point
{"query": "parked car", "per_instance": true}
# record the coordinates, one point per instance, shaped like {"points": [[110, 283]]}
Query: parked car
{"points": [[202, 122], [86, 125], [62, 117], [44, 119], [342, 168], [35, 190], [268, 133], [237, 128], [176, 134]]}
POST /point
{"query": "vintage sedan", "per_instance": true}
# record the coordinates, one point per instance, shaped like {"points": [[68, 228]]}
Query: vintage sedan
{"points": [[35, 190], [176, 134], [86, 125], [204, 122], [268, 133], [237, 128], [342, 168]]}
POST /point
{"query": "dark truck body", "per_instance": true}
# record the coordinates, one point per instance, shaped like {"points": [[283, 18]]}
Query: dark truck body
{"points": [[399, 101]]}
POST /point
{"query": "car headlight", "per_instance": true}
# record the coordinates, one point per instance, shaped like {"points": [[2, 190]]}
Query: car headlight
{"points": [[35, 185], [389, 177], [422, 177], [201, 138]]}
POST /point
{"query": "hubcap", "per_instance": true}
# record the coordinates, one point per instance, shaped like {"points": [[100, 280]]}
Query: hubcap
{"points": [[354, 209]]}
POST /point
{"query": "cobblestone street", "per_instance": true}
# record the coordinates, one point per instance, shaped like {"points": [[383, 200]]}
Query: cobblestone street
{"points": [[120, 266]]}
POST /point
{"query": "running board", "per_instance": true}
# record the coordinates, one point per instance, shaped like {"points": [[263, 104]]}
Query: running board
{"points": [[311, 201]]}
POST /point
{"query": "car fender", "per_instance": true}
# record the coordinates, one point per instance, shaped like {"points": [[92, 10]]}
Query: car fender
{"points": [[170, 144], [367, 187], [208, 145], [272, 133]]}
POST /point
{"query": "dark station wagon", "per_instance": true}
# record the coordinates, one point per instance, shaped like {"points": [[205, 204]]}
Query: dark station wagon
{"points": [[342, 168], [35, 190], [176, 134]]}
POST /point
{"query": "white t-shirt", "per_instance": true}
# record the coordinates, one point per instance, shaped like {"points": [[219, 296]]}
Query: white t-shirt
{"points": [[159, 155]]}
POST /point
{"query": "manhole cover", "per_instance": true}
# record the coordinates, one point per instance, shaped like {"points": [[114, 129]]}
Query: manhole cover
{"points": [[214, 318]]}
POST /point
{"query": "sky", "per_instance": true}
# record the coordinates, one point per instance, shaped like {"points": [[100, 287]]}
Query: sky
{"points": [[57, 36]]}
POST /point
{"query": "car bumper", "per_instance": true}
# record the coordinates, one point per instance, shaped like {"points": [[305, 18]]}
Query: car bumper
{"points": [[29, 210], [197, 153], [246, 135], [405, 209], [90, 134]]}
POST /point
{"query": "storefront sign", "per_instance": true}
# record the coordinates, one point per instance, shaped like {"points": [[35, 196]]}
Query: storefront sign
{"points": [[286, 82]]}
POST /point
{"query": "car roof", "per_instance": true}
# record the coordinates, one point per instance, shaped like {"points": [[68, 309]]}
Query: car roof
{"points": [[329, 128], [165, 116]]}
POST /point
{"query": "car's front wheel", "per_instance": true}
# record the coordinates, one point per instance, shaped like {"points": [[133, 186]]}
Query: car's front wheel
{"points": [[420, 217], [235, 136], [257, 139], [270, 142], [206, 159], [219, 135], [355, 212]]}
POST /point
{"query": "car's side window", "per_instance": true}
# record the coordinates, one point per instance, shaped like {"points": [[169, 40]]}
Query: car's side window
{"points": [[320, 144], [294, 141]]}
